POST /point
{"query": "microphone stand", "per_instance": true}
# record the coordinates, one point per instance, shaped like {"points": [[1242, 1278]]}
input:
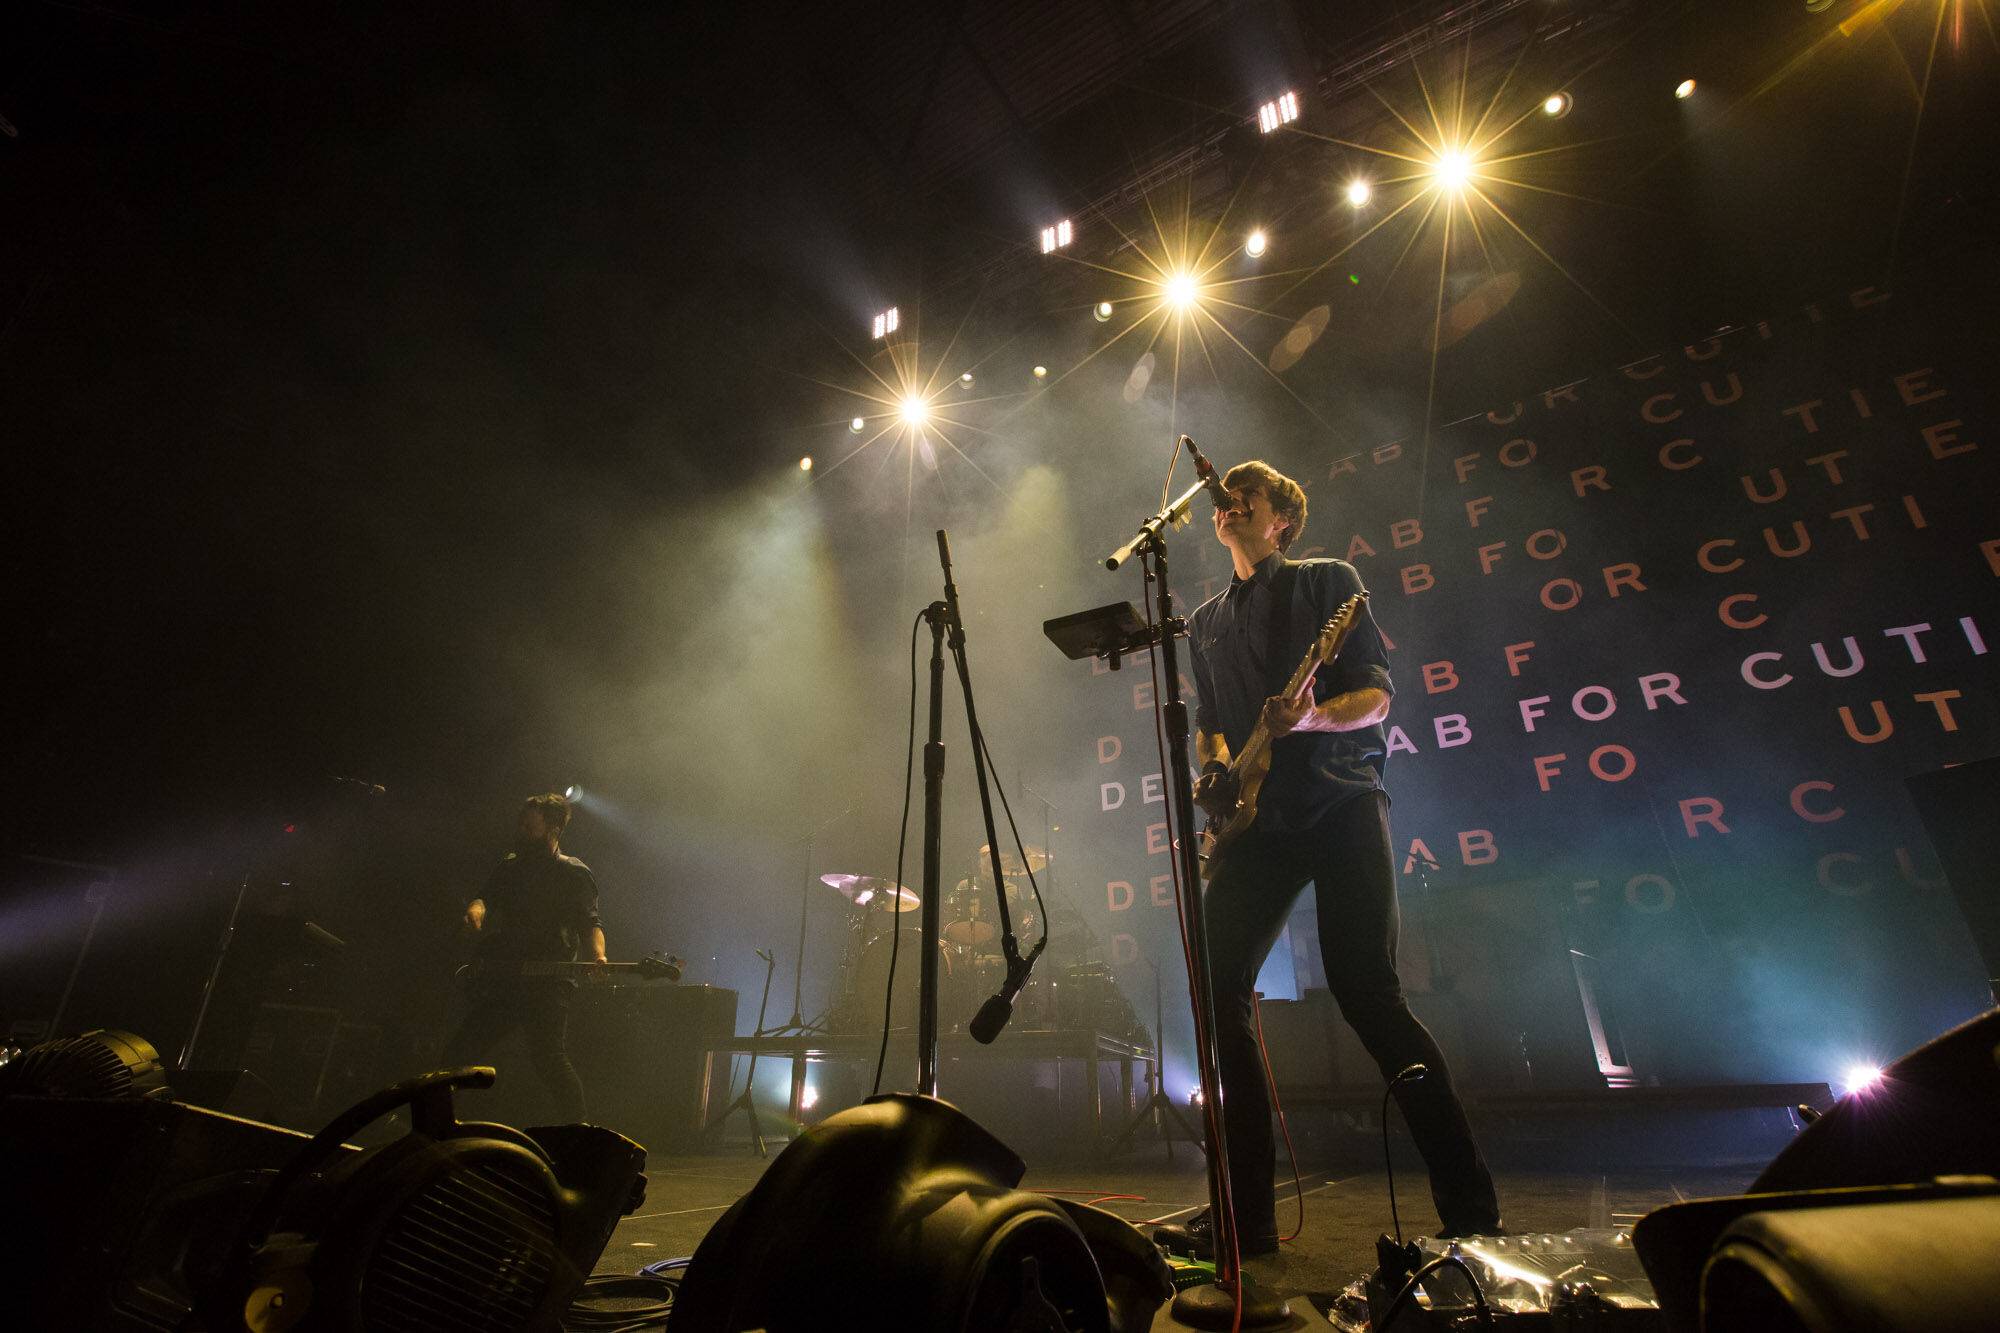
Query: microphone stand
{"points": [[1220, 1304], [937, 615]]}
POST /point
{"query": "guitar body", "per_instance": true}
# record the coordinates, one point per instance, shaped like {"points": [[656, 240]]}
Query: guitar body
{"points": [[1252, 765]]}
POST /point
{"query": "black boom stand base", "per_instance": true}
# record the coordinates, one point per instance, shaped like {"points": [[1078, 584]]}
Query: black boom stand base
{"points": [[1213, 1305]]}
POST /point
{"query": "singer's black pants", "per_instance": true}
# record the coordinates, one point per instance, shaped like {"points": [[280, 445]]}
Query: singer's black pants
{"points": [[1348, 858], [539, 1007]]}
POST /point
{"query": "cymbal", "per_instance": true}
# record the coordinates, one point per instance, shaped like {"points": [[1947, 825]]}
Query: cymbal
{"points": [[1010, 864], [872, 891]]}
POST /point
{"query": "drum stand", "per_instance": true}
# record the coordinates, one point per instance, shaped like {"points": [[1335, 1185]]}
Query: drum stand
{"points": [[1158, 1102], [746, 1100]]}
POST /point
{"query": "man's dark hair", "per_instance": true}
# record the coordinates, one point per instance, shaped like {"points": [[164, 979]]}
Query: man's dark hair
{"points": [[1287, 497], [555, 810]]}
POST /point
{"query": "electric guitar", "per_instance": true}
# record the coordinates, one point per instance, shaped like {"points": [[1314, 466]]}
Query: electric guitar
{"points": [[653, 967], [1232, 805]]}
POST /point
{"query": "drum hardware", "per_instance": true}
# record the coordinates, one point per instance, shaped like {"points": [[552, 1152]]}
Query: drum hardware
{"points": [[872, 891]]}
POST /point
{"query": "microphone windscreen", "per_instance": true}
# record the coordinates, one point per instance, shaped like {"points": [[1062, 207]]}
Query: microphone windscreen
{"points": [[992, 1016]]}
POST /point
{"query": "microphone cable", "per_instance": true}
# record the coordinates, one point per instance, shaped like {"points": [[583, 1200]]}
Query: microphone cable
{"points": [[902, 842], [1271, 1079]]}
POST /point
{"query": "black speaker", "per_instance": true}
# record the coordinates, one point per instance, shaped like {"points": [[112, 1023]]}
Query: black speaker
{"points": [[639, 1050]]}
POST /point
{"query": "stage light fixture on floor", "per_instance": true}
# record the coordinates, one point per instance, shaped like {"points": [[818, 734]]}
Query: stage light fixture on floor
{"points": [[1256, 243], [1685, 89], [858, 425], [1860, 1078], [1103, 311], [1359, 192], [1556, 105]]}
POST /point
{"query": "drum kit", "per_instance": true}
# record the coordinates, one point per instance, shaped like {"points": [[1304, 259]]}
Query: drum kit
{"points": [[1072, 987]]}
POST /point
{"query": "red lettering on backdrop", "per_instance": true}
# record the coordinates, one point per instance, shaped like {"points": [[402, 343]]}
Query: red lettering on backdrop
{"points": [[1727, 611], [1474, 508], [1439, 677], [1546, 767], [1814, 816], [1156, 840], [1162, 887], [1416, 579], [1943, 434], [1117, 896], [1109, 748], [1941, 700], [1476, 848], [1702, 810], [1516, 654], [1602, 771], [1914, 388], [1591, 478]]}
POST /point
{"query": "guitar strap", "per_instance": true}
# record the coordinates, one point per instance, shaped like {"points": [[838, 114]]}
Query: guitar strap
{"points": [[1278, 659]]}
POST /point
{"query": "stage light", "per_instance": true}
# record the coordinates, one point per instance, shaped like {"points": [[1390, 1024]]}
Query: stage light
{"points": [[573, 792], [1685, 90], [1103, 311], [808, 1097], [858, 425], [1860, 1078], [1181, 290], [1194, 1096], [915, 411], [888, 322], [1359, 192], [1556, 105], [1281, 111], [1254, 244], [1452, 169], [806, 463], [1056, 237], [966, 379], [1041, 372]]}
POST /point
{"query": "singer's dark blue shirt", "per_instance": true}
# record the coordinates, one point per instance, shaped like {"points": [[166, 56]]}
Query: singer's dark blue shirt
{"points": [[1235, 672]]}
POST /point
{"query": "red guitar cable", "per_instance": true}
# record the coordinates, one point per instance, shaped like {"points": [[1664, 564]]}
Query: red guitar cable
{"points": [[1271, 1080]]}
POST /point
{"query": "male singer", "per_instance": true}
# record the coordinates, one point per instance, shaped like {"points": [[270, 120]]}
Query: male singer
{"points": [[1322, 817], [539, 906]]}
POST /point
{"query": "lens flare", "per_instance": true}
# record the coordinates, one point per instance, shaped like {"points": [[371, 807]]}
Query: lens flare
{"points": [[1256, 243], [1103, 311], [915, 410], [1452, 170], [1556, 105], [1860, 1078], [1359, 192], [1181, 290], [806, 463]]}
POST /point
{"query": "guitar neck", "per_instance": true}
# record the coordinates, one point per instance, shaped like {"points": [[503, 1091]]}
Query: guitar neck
{"points": [[1260, 736]]}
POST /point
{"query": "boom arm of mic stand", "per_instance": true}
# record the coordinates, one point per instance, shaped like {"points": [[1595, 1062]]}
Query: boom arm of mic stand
{"points": [[1175, 513]]}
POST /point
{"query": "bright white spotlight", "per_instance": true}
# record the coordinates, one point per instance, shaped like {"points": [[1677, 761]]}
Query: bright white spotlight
{"points": [[808, 1097], [1860, 1078], [1181, 290], [1103, 311], [1452, 169], [573, 792], [1359, 192], [806, 463], [1056, 237], [915, 411], [1556, 105], [1685, 89], [1041, 372], [966, 379], [888, 322], [858, 425], [1255, 243], [1282, 110]]}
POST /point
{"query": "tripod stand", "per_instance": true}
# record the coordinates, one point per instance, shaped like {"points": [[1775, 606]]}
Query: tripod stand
{"points": [[746, 1100], [1158, 1103]]}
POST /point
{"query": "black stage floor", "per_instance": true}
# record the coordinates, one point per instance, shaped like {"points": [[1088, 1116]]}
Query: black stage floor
{"points": [[1344, 1210]]}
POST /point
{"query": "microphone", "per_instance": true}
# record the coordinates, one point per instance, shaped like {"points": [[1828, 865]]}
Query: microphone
{"points": [[993, 1015], [1211, 480]]}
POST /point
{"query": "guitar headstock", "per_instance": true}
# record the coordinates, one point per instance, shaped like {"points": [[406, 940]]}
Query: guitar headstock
{"points": [[661, 966], [1343, 620]]}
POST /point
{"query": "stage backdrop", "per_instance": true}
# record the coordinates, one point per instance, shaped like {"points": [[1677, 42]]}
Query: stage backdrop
{"points": [[1667, 641]]}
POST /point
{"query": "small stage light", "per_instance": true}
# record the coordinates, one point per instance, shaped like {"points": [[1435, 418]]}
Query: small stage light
{"points": [[1685, 90], [1282, 111], [1359, 192], [966, 379], [1556, 105], [915, 411], [1041, 372], [858, 425], [1056, 237], [888, 322], [1181, 290], [573, 792], [806, 463], [1860, 1078], [1255, 243], [1103, 311], [1452, 169], [808, 1097]]}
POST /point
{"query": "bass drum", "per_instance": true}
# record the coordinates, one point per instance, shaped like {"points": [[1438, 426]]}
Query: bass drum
{"points": [[860, 1006]]}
